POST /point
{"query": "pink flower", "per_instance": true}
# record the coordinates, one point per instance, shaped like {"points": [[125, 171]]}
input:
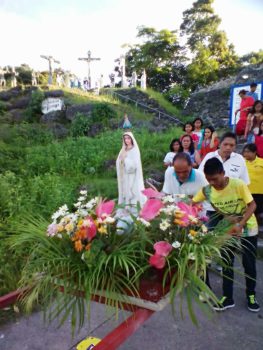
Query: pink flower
{"points": [[188, 209], [89, 228], [189, 212], [157, 261], [162, 248], [151, 209], [52, 230], [151, 193], [104, 209]]}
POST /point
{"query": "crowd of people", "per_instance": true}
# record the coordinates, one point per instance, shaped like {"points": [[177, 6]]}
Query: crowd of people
{"points": [[208, 168]]}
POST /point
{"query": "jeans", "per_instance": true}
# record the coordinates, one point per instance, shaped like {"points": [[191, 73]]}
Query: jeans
{"points": [[249, 253]]}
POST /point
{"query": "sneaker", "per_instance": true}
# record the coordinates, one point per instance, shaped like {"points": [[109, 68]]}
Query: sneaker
{"points": [[223, 304], [252, 303]]}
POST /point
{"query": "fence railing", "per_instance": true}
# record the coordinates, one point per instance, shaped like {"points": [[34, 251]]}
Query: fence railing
{"points": [[157, 112]]}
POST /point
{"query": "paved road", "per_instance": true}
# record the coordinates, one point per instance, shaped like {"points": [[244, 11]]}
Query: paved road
{"points": [[234, 329]]}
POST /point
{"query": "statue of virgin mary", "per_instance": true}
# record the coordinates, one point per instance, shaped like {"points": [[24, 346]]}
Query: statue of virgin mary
{"points": [[130, 176]]}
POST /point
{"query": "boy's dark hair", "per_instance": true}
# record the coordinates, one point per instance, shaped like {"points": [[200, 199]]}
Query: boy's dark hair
{"points": [[182, 156], [213, 166], [228, 134], [253, 84], [172, 143], [198, 118], [250, 147]]}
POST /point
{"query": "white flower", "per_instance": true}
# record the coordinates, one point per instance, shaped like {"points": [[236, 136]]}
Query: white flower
{"points": [[91, 203], [191, 256], [164, 225], [182, 195], [193, 219], [77, 205], [109, 220], [62, 211], [83, 192], [81, 198], [144, 222], [190, 237], [59, 235], [176, 244], [168, 199], [82, 212], [204, 229]]}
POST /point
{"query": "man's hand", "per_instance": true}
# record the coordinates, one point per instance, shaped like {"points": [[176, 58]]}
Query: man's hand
{"points": [[236, 230]]}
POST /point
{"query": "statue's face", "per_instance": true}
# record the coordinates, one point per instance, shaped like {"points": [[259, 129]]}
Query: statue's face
{"points": [[127, 140]]}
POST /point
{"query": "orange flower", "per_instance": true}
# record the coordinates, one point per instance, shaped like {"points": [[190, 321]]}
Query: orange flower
{"points": [[78, 246], [179, 222], [88, 246], [193, 233]]}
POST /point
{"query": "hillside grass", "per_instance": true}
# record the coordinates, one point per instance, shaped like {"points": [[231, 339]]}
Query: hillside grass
{"points": [[168, 106]]}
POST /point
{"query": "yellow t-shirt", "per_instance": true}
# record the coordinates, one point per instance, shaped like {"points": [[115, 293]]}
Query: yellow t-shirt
{"points": [[232, 200], [255, 171]]}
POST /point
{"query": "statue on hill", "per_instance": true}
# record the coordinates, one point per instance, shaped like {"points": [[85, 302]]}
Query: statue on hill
{"points": [[51, 61], [2, 78], [14, 74], [143, 80], [134, 79], [33, 78]]}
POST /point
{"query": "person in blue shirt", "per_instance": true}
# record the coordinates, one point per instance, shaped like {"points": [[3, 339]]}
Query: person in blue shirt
{"points": [[252, 92]]}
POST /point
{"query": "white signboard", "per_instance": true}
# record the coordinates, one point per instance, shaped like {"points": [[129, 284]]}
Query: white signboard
{"points": [[51, 104], [235, 100]]}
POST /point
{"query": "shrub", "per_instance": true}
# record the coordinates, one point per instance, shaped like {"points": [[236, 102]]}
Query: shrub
{"points": [[33, 110], [103, 113], [178, 96], [2, 108], [80, 125]]}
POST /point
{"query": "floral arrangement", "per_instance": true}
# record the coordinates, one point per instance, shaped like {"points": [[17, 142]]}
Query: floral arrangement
{"points": [[83, 251]]}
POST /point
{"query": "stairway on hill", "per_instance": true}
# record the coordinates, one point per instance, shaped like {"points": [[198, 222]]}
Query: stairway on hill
{"points": [[149, 105]]}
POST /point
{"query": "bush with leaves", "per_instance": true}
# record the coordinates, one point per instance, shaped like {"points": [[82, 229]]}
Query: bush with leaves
{"points": [[33, 110], [2, 108], [103, 113], [178, 96], [80, 125]]}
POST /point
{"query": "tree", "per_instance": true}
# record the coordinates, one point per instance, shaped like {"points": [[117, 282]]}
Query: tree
{"points": [[212, 56], [252, 58], [160, 54]]}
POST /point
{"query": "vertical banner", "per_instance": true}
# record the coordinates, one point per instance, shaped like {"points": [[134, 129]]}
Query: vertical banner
{"points": [[235, 99]]}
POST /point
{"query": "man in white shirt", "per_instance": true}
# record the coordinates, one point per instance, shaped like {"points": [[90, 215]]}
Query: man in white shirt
{"points": [[233, 163], [181, 178]]}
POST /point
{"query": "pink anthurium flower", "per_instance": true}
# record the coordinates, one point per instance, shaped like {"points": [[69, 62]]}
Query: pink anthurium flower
{"points": [[104, 209], [157, 261], [151, 209], [89, 227], [162, 248], [188, 209], [151, 193]]}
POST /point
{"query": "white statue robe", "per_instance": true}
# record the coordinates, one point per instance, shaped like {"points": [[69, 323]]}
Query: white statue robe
{"points": [[130, 177]]}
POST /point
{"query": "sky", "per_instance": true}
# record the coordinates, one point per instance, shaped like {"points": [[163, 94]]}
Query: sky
{"points": [[67, 29]]}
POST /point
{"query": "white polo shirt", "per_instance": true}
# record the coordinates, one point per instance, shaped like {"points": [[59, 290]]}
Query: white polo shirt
{"points": [[234, 166], [194, 183]]}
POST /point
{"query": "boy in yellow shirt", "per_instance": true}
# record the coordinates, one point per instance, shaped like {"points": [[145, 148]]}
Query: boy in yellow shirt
{"points": [[255, 170], [231, 198]]}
